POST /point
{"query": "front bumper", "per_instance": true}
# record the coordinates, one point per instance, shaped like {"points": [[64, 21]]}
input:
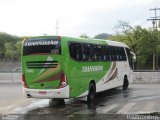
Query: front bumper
{"points": [[47, 93]]}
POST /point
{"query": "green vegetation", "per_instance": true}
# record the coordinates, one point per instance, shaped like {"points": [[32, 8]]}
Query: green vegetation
{"points": [[83, 36], [10, 47], [141, 41]]}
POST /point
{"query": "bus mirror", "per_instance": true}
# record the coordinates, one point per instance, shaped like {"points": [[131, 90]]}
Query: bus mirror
{"points": [[133, 56]]}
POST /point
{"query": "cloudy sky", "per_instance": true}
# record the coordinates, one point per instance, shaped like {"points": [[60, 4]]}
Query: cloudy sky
{"points": [[38, 17]]}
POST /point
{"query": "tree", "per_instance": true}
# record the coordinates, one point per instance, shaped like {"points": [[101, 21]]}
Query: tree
{"points": [[13, 51], [9, 50], [139, 40], [7, 45], [83, 36], [125, 29], [18, 49]]}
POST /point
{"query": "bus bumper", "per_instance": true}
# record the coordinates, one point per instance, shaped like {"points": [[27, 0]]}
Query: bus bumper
{"points": [[47, 93]]}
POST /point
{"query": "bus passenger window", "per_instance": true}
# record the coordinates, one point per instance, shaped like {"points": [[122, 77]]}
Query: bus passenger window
{"points": [[103, 53], [75, 51], [99, 52], [89, 52], [79, 52], [122, 54], [108, 54], [85, 55], [92, 56], [112, 53], [116, 53], [94, 50]]}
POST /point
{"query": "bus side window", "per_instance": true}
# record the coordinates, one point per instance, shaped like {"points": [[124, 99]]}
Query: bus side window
{"points": [[120, 53], [112, 53], [106, 53], [104, 50], [120, 50], [75, 51], [117, 55], [89, 52], [86, 51], [99, 53], [94, 52], [123, 55], [78, 52], [84, 55], [71, 50]]}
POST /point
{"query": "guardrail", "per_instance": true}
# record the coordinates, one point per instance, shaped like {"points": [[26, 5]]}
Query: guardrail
{"points": [[10, 77], [146, 76]]}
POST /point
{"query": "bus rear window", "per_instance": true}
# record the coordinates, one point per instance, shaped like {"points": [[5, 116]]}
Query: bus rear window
{"points": [[41, 46]]}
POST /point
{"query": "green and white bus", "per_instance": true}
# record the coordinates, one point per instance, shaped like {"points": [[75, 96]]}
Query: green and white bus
{"points": [[57, 67]]}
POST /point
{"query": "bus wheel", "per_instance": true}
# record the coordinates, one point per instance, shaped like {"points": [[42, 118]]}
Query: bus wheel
{"points": [[56, 102], [125, 83], [91, 93]]}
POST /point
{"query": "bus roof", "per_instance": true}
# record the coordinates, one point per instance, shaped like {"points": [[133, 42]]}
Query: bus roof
{"points": [[115, 43], [89, 40], [108, 42]]}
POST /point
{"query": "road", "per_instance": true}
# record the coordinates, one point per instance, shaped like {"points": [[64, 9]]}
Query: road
{"points": [[139, 99]]}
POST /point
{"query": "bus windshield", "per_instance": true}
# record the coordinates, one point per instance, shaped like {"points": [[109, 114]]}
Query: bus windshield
{"points": [[41, 46]]}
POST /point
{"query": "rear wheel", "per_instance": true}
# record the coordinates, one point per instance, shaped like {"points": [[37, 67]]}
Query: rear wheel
{"points": [[91, 96], [56, 102], [125, 83]]}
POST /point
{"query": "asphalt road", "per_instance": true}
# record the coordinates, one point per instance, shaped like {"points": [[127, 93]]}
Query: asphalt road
{"points": [[10, 93], [140, 100]]}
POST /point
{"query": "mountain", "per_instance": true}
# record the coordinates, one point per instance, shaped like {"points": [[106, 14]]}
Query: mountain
{"points": [[102, 36]]}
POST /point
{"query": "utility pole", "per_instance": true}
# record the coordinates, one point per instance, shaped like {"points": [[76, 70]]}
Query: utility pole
{"points": [[57, 27], [154, 22]]}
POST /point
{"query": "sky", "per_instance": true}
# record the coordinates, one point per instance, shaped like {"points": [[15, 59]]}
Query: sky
{"points": [[75, 17]]}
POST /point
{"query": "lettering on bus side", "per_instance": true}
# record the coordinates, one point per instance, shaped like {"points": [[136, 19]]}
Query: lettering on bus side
{"points": [[92, 68]]}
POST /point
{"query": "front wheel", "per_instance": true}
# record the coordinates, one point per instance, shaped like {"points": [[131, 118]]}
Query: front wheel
{"points": [[125, 83]]}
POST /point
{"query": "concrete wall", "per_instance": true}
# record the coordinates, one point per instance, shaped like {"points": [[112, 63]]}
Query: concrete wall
{"points": [[146, 77], [9, 66], [10, 77], [138, 77]]}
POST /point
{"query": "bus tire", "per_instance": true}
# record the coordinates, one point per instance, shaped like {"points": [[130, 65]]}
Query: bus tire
{"points": [[91, 93], [56, 102], [125, 83]]}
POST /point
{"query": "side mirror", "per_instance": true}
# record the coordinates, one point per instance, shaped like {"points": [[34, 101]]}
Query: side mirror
{"points": [[133, 57]]}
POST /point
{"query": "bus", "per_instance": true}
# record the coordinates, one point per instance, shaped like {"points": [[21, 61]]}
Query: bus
{"points": [[59, 67]]}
